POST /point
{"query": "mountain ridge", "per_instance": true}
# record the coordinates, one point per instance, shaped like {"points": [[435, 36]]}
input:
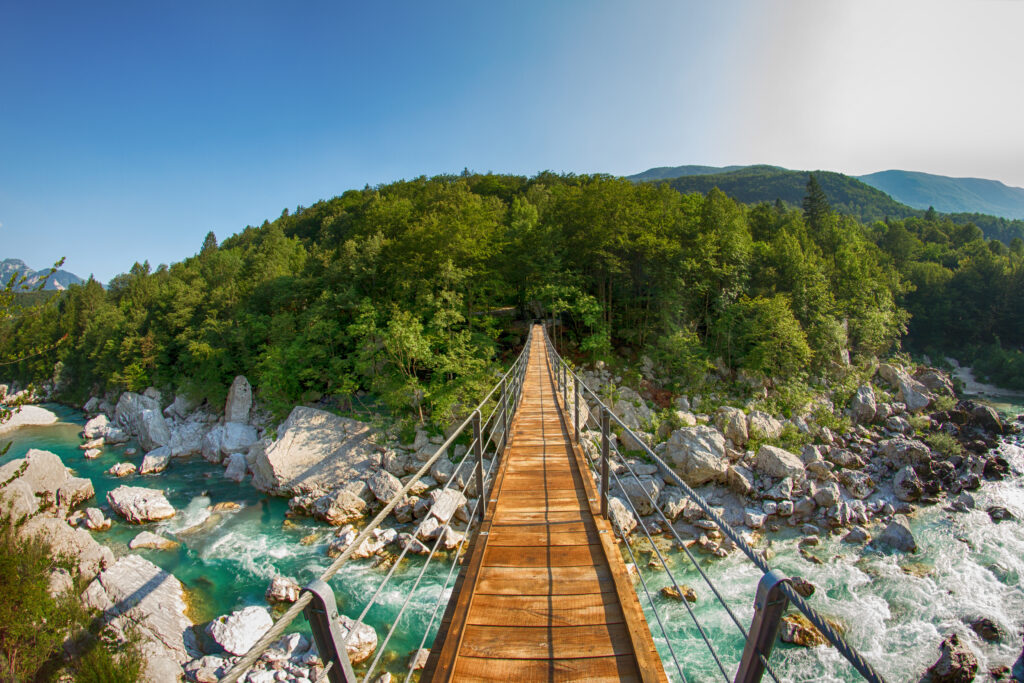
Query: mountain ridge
{"points": [[58, 280]]}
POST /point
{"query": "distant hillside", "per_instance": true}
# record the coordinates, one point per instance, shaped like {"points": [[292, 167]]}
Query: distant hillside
{"points": [[60, 279], [753, 184], [950, 195], [848, 195], [669, 172]]}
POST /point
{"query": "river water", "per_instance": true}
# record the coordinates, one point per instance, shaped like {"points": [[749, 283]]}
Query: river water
{"points": [[895, 609]]}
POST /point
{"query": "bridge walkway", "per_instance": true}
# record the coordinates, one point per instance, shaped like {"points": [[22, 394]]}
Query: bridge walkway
{"points": [[543, 593]]}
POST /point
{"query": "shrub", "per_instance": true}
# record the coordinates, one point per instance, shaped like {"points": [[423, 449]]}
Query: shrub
{"points": [[944, 443]]}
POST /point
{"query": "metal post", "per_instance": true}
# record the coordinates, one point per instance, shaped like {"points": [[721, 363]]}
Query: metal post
{"points": [[504, 414], [576, 410], [322, 615], [769, 605], [478, 451], [604, 461], [565, 385]]}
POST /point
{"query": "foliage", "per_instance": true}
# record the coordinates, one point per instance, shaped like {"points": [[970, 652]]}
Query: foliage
{"points": [[406, 291], [944, 443]]}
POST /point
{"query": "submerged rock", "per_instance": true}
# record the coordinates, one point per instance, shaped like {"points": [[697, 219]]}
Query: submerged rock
{"points": [[898, 536], [956, 664], [149, 540], [138, 505], [683, 593], [122, 469], [797, 629]]}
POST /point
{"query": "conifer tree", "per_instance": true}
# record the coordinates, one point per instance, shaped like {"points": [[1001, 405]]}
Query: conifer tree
{"points": [[816, 206]]}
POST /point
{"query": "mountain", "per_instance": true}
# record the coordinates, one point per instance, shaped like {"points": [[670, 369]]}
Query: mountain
{"points": [[60, 279], [949, 195], [753, 184], [669, 172]]}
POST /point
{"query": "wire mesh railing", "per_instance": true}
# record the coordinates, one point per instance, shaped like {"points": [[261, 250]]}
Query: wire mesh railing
{"points": [[774, 591], [468, 480]]}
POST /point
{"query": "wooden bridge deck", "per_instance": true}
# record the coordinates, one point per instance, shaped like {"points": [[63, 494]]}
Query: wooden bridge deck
{"points": [[543, 594]]}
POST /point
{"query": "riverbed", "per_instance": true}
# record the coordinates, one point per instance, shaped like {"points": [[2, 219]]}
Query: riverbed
{"points": [[895, 608]]}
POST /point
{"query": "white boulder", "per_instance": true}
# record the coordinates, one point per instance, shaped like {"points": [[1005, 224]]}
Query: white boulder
{"points": [[238, 632], [138, 505], [239, 401], [698, 454]]}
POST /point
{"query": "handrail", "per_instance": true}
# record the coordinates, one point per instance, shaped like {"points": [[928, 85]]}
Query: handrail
{"points": [[779, 582], [509, 402]]}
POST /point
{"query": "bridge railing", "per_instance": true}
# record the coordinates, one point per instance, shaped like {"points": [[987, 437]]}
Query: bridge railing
{"points": [[317, 602], [585, 408]]}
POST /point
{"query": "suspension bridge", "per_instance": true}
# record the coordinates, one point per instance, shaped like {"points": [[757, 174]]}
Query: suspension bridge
{"points": [[541, 588]]}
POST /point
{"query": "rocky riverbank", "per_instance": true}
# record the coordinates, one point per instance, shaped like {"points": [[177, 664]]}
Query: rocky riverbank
{"points": [[860, 484]]}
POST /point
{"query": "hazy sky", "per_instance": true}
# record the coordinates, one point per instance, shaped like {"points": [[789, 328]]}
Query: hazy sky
{"points": [[128, 130]]}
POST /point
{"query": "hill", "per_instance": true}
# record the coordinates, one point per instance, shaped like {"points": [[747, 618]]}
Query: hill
{"points": [[669, 172], [754, 184], [59, 280], [950, 195]]}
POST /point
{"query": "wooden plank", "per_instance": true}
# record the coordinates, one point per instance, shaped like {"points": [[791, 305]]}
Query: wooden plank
{"points": [[549, 516], [597, 669], [544, 580], [546, 610], [544, 556], [566, 642]]}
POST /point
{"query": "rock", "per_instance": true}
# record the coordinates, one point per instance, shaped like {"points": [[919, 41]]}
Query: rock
{"points": [[28, 416], [803, 587], [781, 491], [900, 451], [283, 589], [956, 664], [754, 519], [152, 431], [863, 406], [621, 517], [733, 424], [239, 401], [237, 468], [906, 485], [92, 453], [180, 407], [135, 594], [415, 546], [187, 439], [95, 521], [44, 472], [60, 582], [122, 469], [77, 544], [363, 641], [763, 426], [19, 500], [997, 513], [445, 503], [94, 444], [858, 484], [138, 505], [74, 491], [211, 443], [155, 461], [786, 508], [826, 495], [386, 486], [911, 392], [640, 491], [740, 480], [897, 535], [115, 435], [239, 631], [237, 438], [987, 629], [779, 463], [858, 534], [797, 629], [935, 381], [315, 450], [442, 470], [987, 418], [149, 540], [96, 427], [672, 502], [630, 408], [683, 592], [418, 659], [686, 419], [698, 454], [339, 507]]}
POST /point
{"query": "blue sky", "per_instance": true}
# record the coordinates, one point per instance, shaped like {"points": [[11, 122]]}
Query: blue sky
{"points": [[128, 130]]}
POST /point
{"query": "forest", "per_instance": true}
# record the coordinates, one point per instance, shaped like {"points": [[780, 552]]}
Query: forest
{"points": [[405, 291]]}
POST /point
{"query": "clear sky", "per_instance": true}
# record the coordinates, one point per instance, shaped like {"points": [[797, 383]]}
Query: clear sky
{"points": [[130, 129]]}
